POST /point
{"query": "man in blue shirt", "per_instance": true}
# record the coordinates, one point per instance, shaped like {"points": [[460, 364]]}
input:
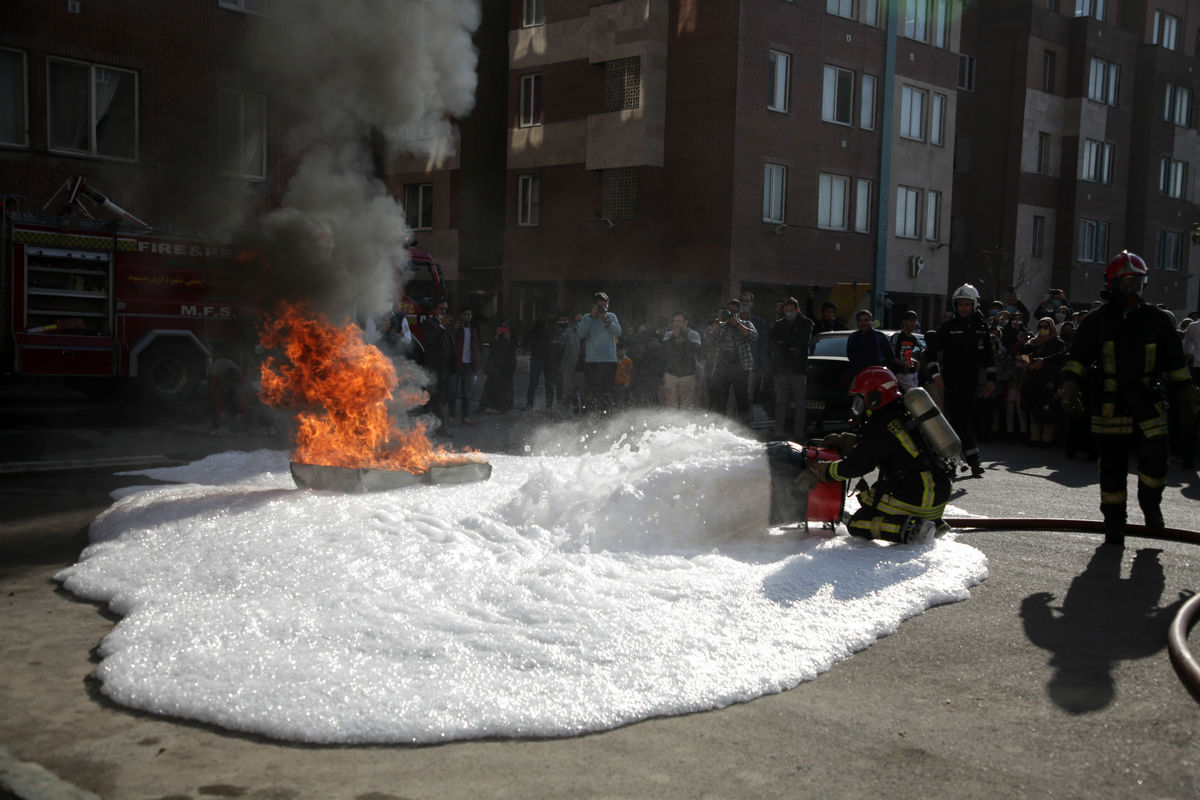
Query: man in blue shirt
{"points": [[598, 334]]}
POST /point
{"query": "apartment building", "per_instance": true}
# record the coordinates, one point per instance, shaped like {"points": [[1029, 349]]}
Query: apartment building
{"points": [[674, 153], [1079, 141]]}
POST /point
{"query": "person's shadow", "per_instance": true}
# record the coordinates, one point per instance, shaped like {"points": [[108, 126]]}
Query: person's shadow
{"points": [[1103, 619]]}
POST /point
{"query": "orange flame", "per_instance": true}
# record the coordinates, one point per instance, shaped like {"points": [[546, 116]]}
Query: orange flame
{"points": [[340, 386]]}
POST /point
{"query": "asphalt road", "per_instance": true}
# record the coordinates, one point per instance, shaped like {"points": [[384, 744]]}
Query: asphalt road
{"points": [[1052, 680]]}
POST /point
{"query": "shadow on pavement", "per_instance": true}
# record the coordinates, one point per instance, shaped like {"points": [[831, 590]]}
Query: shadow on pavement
{"points": [[1103, 619]]}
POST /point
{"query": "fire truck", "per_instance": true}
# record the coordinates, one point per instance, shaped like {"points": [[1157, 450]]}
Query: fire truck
{"points": [[82, 298]]}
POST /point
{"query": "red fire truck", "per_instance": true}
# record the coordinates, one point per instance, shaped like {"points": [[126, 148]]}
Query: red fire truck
{"points": [[81, 298]]}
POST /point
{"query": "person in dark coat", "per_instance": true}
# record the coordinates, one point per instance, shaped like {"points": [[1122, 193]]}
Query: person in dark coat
{"points": [[788, 357], [957, 354], [501, 366], [1046, 354], [438, 341]]}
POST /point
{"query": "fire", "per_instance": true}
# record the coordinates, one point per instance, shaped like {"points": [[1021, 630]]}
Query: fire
{"points": [[340, 386]]}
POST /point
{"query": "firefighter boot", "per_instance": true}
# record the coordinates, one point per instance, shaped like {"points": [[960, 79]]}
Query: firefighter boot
{"points": [[1150, 501], [1114, 527], [976, 467]]}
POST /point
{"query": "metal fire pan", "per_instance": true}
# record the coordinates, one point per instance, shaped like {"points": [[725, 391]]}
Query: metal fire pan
{"points": [[356, 480], [461, 473]]}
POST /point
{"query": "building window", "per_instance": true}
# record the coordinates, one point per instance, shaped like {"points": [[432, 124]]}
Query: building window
{"points": [[912, 113], [1037, 247], [1043, 154], [833, 201], [933, 216], [866, 111], [778, 80], [619, 193], [1169, 250], [418, 206], [862, 206], [533, 13], [1097, 162], [243, 133], [1093, 240], [914, 15], [774, 192], [623, 84], [1172, 178], [842, 8], [531, 100], [937, 119], [908, 209], [529, 199], [92, 109], [966, 73], [247, 6], [870, 13], [1178, 105], [1166, 30], [1090, 8], [1103, 80], [837, 95], [1048, 66], [941, 23], [14, 112]]}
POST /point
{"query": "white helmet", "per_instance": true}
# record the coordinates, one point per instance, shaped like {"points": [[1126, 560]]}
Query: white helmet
{"points": [[966, 292]]}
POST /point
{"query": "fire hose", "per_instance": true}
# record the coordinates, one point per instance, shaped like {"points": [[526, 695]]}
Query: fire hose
{"points": [[1186, 665]]}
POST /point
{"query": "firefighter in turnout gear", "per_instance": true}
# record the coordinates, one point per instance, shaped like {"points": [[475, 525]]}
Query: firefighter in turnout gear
{"points": [[956, 353], [1120, 353], [907, 501]]}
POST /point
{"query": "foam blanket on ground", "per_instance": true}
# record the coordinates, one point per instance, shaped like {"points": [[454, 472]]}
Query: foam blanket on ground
{"points": [[572, 592]]}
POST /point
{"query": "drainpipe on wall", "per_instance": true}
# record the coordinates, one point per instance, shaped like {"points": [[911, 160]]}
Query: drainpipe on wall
{"points": [[883, 226]]}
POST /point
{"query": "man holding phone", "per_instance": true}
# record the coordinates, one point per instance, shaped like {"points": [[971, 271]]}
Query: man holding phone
{"points": [[598, 335]]}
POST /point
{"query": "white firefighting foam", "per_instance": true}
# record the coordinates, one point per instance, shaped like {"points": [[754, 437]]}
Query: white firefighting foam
{"points": [[567, 594]]}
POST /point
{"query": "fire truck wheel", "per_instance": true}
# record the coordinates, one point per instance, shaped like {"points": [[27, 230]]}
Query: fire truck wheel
{"points": [[170, 373]]}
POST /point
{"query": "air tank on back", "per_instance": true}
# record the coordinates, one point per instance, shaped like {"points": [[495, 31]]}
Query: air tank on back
{"points": [[932, 424]]}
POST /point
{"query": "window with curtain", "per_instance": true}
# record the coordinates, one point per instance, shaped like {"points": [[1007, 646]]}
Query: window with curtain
{"points": [[529, 199], [418, 206], [533, 13], [832, 201], [531, 100], [937, 119], [243, 133], [912, 113], [866, 113], [1037, 247], [837, 95], [92, 109], [908, 209], [1172, 180], [1093, 240], [778, 77], [1165, 32], [774, 193], [862, 206], [1170, 246], [1103, 81], [1178, 106], [933, 215]]}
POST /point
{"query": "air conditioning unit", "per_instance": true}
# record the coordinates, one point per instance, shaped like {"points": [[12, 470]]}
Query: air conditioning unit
{"points": [[915, 265]]}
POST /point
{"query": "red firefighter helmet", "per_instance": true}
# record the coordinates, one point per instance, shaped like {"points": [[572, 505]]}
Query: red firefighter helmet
{"points": [[877, 386], [1124, 264]]}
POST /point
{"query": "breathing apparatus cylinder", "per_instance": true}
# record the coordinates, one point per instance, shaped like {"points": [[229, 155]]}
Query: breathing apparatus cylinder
{"points": [[932, 424]]}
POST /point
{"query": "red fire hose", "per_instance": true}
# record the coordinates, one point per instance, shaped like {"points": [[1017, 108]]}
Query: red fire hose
{"points": [[1185, 663]]}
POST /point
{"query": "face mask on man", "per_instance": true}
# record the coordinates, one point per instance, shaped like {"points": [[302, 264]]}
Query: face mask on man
{"points": [[789, 315]]}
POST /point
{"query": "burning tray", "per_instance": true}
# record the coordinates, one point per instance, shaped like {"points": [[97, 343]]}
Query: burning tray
{"points": [[356, 479]]}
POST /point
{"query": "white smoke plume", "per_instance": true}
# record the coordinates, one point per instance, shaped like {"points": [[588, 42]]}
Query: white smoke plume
{"points": [[355, 75]]}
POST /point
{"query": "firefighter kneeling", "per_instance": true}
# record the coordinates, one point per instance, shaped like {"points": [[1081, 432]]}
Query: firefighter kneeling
{"points": [[907, 502]]}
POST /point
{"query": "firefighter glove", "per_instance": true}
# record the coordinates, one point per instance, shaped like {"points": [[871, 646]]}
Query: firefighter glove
{"points": [[1189, 406], [818, 470], [842, 442], [1069, 398]]}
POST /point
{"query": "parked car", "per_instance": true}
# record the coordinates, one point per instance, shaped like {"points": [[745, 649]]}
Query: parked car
{"points": [[828, 397]]}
